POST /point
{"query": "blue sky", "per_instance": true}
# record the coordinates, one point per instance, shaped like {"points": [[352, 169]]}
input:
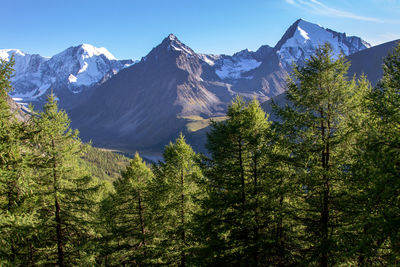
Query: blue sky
{"points": [[131, 28]]}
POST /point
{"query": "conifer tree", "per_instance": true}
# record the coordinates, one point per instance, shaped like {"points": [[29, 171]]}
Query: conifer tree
{"points": [[176, 189], [17, 216], [67, 195], [316, 132], [239, 212], [377, 171], [127, 217]]}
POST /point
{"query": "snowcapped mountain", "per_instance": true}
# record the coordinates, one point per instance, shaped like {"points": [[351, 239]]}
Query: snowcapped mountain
{"points": [[301, 39], [74, 69], [171, 89], [297, 44], [262, 74], [147, 105]]}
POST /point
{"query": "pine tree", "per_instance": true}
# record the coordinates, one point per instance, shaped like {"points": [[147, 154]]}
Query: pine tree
{"points": [[67, 193], [377, 171], [243, 210], [176, 184], [127, 217], [316, 132], [17, 216]]}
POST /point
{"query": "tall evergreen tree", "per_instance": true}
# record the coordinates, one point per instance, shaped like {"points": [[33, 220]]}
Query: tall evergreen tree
{"points": [[377, 170], [242, 211], [16, 212], [315, 127], [127, 217], [176, 185], [67, 194]]}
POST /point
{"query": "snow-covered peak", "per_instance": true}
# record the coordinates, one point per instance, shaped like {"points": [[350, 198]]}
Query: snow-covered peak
{"points": [[5, 54], [172, 43], [75, 68], [303, 37], [85, 51], [172, 37], [90, 51]]}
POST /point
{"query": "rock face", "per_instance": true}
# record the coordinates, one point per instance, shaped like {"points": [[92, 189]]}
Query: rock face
{"points": [[75, 69]]}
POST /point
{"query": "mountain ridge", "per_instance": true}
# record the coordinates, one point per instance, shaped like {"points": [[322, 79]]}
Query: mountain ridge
{"points": [[172, 88]]}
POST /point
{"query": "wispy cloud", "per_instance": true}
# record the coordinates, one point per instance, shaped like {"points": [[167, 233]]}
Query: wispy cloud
{"points": [[317, 7], [292, 2]]}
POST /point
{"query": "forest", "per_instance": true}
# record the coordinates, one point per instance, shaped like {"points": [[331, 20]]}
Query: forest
{"points": [[319, 186]]}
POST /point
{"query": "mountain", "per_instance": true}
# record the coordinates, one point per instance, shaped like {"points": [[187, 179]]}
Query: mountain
{"points": [[144, 105], [174, 89], [71, 71], [301, 39], [148, 103]]}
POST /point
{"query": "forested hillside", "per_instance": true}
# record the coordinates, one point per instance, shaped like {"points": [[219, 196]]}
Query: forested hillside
{"points": [[104, 164], [318, 187]]}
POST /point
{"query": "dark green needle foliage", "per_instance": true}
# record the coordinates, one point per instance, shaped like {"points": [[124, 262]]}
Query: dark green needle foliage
{"points": [[377, 171], [16, 211], [241, 210], [315, 127], [127, 218], [176, 192], [67, 193]]}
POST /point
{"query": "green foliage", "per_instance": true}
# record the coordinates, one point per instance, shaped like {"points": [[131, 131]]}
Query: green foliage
{"points": [[16, 212], [127, 218], [239, 212], [67, 193], [377, 171], [175, 189], [103, 164], [320, 187], [315, 128]]}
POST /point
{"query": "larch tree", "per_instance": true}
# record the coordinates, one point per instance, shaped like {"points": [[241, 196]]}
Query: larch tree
{"points": [[239, 210], [315, 128], [377, 171], [67, 196], [177, 179], [127, 217], [17, 216]]}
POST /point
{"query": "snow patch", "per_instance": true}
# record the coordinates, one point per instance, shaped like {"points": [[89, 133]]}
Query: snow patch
{"points": [[72, 78], [303, 33], [232, 69], [209, 59], [95, 51]]}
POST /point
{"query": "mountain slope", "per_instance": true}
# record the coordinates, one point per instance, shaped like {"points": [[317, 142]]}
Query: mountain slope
{"points": [[174, 89], [171, 89], [369, 61], [148, 104]]}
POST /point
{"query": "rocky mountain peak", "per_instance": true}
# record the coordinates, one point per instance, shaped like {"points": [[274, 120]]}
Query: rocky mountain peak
{"points": [[303, 37]]}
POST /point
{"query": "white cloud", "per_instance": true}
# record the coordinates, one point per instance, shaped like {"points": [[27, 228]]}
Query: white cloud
{"points": [[292, 2], [319, 8]]}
